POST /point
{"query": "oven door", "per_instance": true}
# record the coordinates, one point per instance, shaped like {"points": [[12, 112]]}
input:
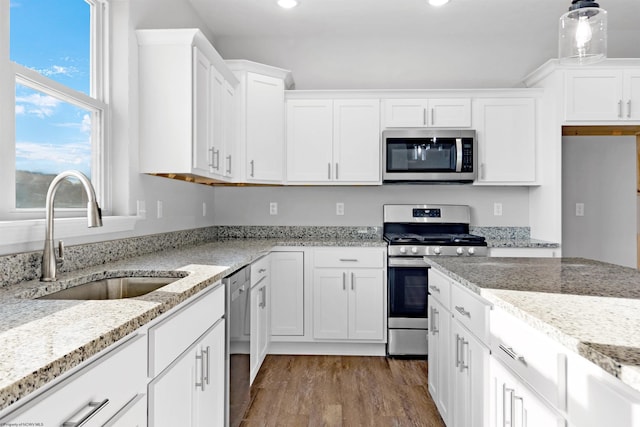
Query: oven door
{"points": [[408, 293]]}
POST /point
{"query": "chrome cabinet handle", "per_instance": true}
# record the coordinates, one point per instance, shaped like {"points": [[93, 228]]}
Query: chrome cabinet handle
{"points": [[211, 150], [629, 109], [216, 158], [348, 260], [511, 411], [463, 366], [434, 313], [458, 154], [329, 170], [252, 167], [434, 288], [344, 281], [229, 163], [262, 270], [200, 358], [461, 310], [433, 117], [620, 108], [97, 407], [482, 171], [208, 351], [263, 297], [424, 116], [512, 354], [457, 350], [337, 171]]}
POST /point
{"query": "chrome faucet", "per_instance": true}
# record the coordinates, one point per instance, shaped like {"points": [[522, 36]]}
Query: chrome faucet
{"points": [[94, 218]]}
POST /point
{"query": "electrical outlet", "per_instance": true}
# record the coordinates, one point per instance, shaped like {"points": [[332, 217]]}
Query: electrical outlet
{"points": [[339, 208], [204, 208], [579, 209], [273, 208], [160, 212], [141, 209], [497, 209]]}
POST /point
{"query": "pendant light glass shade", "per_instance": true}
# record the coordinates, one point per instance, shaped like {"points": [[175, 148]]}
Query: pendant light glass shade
{"points": [[583, 33]]}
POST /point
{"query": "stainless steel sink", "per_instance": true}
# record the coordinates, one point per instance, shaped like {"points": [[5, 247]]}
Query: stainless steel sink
{"points": [[113, 288]]}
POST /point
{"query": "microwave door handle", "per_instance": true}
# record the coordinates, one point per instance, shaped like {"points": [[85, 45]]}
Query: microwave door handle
{"points": [[458, 154]]}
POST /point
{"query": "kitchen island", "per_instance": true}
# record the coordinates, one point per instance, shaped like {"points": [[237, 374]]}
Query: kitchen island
{"points": [[586, 312]]}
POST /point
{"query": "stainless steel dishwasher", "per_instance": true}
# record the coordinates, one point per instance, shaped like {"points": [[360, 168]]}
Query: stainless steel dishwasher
{"points": [[237, 287]]}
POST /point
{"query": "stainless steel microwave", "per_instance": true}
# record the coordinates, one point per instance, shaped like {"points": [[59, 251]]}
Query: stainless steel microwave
{"points": [[429, 155]]}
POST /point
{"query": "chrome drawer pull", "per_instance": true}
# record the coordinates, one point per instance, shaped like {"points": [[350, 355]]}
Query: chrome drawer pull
{"points": [[434, 288], [512, 354], [262, 270], [348, 260], [201, 359], [457, 350], [208, 351], [97, 407], [461, 310]]}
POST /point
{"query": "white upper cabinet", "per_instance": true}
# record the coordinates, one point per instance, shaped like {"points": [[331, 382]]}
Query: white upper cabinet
{"points": [[260, 127], [445, 112], [182, 104], [333, 141], [610, 94], [506, 132]]}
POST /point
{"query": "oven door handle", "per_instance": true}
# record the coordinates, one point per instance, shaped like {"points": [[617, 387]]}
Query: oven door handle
{"points": [[407, 262], [458, 154]]}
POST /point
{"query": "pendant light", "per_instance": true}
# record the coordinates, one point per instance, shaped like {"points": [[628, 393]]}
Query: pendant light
{"points": [[583, 33]]}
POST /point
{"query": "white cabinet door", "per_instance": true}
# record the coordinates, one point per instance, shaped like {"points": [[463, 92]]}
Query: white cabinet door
{"points": [[330, 304], [309, 140], [470, 378], [287, 293], [190, 392], [439, 357], [209, 398], [202, 113], [366, 304], [264, 128], [506, 132], [631, 90], [512, 403], [449, 112], [356, 140], [229, 141], [593, 95], [400, 113], [259, 343]]}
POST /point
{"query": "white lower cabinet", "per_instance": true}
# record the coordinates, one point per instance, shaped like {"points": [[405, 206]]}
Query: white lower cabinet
{"points": [[98, 392], [260, 314], [191, 391], [439, 356], [349, 294], [513, 404], [287, 293], [469, 366]]}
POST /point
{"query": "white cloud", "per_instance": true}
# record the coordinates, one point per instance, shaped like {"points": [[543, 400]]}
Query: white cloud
{"points": [[65, 154], [37, 104], [19, 110], [58, 70]]}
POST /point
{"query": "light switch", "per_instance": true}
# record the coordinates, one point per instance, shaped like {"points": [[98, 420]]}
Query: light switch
{"points": [[497, 209], [339, 208], [579, 209], [273, 208]]}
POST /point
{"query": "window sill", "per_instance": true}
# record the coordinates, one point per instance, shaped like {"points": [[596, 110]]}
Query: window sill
{"points": [[27, 231]]}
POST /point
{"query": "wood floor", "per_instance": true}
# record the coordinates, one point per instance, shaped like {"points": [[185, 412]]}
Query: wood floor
{"points": [[341, 391]]}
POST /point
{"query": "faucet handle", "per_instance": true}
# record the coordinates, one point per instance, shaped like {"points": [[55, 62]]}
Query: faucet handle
{"points": [[60, 259]]}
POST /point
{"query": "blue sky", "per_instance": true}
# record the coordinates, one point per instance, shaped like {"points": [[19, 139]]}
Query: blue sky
{"points": [[52, 37]]}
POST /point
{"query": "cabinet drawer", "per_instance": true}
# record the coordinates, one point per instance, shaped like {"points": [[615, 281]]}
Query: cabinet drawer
{"points": [[440, 288], [260, 270], [169, 338], [103, 388], [350, 258], [471, 311], [533, 356]]}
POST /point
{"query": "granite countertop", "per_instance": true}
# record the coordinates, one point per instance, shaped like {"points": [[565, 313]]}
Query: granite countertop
{"points": [[590, 307], [520, 243], [42, 339]]}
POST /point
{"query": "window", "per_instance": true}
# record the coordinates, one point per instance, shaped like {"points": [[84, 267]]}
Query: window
{"points": [[56, 54]]}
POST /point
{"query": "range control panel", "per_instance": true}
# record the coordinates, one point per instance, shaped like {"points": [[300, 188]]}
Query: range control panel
{"points": [[427, 213]]}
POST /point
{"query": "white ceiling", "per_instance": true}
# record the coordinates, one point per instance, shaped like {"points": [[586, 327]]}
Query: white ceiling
{"points": [[482, 30]]}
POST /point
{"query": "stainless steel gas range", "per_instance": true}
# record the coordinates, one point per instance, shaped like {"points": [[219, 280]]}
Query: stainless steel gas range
{"points": [[411, 232]]}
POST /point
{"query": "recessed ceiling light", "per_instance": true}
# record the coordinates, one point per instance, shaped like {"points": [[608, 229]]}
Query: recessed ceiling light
{"points": [[438, 2], [288, 4]]}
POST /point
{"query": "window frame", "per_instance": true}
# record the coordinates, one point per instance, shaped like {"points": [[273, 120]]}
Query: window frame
{"points": [[97, 103]]}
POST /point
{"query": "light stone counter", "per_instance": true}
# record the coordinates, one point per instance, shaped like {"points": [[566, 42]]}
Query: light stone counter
{"points": [[42, 339], [590, 307]]}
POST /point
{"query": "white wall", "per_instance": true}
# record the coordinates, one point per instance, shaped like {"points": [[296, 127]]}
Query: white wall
{"points": [[362, 205], [601, 173]]}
